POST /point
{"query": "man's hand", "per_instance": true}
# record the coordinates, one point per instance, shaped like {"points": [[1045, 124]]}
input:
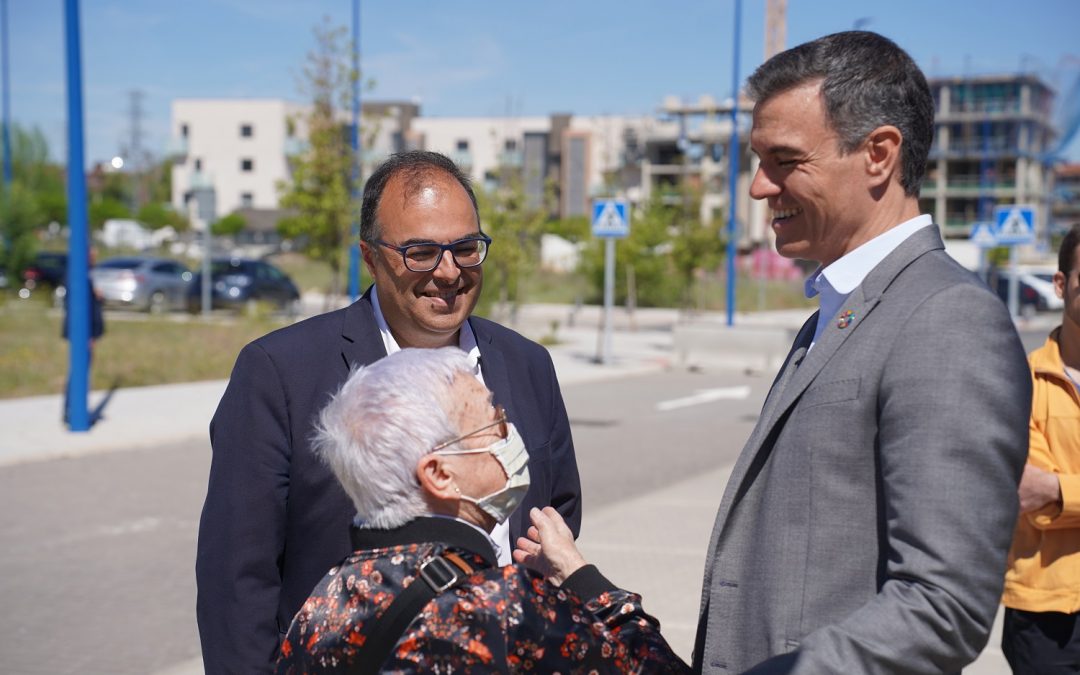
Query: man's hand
{"points": [[1038, 488], [549, 549]]}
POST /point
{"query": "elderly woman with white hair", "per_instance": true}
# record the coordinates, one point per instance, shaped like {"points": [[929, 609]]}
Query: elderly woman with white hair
{"points": [[431, 467]]}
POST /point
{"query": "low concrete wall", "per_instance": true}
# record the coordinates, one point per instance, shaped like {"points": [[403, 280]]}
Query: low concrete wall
{"points": [[750, 348]]}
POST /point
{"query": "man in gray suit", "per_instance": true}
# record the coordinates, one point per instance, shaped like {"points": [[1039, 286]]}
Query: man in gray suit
{"points": [[866, 523]]}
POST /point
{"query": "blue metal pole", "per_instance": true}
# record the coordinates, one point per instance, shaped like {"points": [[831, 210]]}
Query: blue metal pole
{"points": [[78, 286], [6, 85], [733, 171], [354, 239]]}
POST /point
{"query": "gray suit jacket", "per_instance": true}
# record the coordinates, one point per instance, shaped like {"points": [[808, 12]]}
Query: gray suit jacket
{"points": [[866, 523]]}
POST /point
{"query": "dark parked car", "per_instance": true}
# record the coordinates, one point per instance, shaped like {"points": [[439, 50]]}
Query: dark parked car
{"points": [[151, 284], [242, 283], [49, 270]]}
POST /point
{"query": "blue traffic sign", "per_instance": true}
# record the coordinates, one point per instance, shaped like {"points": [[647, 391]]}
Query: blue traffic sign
{"points": [[982, 235], [1014, 224], [610, 218]]}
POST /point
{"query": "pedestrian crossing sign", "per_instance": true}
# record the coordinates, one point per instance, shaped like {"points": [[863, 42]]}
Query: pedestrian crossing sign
{"points": [[1014, 224], [610, 218], [982, 235]]}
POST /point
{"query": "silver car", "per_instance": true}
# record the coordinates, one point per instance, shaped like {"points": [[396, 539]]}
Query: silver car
{"points": [[150, 284]]}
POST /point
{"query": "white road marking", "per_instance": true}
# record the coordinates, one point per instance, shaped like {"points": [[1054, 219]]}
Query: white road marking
{"points": [[704, 396]]}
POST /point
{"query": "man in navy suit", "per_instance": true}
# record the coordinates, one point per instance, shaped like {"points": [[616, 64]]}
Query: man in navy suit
{"points": [[275, 519]]}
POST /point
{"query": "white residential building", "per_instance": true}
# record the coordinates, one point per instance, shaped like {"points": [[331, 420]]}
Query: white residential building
{"points": [[237, 146], [240, 147]]}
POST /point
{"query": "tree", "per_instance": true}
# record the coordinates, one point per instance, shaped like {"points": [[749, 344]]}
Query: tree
{"points": [[157, 215], [106, 208], [34, 198], [321, 189], [20, 218], [515, 231], [229, 226]]}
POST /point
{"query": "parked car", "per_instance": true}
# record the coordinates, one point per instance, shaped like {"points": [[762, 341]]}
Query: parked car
{"points": [[242, 283], [1036, 291], [49, 270], [140, 282]]}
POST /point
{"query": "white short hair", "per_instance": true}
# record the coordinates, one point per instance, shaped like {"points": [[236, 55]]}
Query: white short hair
{"points": [[380, 423]]}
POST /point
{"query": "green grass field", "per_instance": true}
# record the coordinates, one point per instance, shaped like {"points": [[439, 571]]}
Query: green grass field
{"points": [[136, 350]]}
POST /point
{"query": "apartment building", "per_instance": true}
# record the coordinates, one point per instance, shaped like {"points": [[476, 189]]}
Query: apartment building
{"points": [[563, 161], [991, 136], [240, 147], [1065, 204]]}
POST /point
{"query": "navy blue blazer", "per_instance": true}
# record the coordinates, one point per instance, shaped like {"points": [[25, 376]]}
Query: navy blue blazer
{"points": [[275, 519]]}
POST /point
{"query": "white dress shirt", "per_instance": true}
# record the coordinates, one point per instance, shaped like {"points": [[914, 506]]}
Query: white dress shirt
{"points": [[836, 282], [500, 534]]}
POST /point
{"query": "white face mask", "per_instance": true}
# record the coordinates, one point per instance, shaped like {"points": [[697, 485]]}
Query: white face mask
{"points": [[514, 459]]}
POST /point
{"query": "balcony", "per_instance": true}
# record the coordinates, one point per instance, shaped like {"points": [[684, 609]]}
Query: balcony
{"points": [[968, 186], [177, 149], [295, 146], [511, 159], [463, 158]]}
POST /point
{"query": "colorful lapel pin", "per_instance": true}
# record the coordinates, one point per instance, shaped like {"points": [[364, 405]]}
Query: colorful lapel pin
{"points": [[846, 317]]}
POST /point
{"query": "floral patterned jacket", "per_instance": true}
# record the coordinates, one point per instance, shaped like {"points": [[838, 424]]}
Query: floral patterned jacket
{"points": [[499, 620]]}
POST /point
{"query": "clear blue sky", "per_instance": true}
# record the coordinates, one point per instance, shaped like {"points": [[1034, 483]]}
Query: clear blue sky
{"points": [[482, 57]]}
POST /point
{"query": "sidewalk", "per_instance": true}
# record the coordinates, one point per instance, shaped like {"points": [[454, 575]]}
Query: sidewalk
{"points": [[145, 417]]}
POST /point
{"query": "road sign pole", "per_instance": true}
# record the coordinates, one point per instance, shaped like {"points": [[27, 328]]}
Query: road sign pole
{"points": [[609, 297]]}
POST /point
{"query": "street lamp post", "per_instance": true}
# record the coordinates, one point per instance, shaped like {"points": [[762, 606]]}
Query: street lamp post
{"points": [[354, 240], [733, 171], [78, 281], [6, 84]]}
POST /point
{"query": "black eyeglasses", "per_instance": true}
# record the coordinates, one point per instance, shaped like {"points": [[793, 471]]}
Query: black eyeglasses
{"points": [[500, 421], [468, 252]]}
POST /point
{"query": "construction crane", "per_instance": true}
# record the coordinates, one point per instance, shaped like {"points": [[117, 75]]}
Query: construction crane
{"points": [[775, 27]]}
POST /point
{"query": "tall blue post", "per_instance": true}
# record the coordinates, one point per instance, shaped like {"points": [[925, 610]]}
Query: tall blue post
{"points": [[733, 171], [6, 85], [78, 286], [354, 239]]}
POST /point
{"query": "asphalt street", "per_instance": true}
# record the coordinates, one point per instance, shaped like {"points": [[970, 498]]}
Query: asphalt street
{"points": [[97, 570], [98, 547]]}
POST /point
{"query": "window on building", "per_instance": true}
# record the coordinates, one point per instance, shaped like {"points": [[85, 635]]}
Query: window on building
{"points": [[247, 131], [247, 200], [463, 144], [183, 130], [510, 145], [247, 165], [198, 164]]}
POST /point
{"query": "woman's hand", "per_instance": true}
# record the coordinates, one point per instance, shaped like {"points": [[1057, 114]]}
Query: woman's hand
{"points": [[549, 549]]}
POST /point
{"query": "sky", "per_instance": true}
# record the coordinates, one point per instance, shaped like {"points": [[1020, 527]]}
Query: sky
{"points": [[481, 57]]}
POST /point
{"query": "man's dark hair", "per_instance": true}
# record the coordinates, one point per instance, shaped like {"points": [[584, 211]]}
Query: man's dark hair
{"points": [[1067, 254], [414, 167], [866, 81]]}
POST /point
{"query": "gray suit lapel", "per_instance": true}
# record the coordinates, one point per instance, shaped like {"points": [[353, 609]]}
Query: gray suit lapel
{"points": [[860, 303], [795, 378]]}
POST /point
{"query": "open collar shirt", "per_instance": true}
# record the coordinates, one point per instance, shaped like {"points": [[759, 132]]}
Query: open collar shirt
{"points": [[833, 284], [500, 535]]}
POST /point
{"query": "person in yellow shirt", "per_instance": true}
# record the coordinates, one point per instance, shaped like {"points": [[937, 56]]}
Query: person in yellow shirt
{"points": [[1042, 584]]}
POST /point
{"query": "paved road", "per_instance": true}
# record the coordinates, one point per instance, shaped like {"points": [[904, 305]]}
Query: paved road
{"points": [[97, 567], [97, 553]]}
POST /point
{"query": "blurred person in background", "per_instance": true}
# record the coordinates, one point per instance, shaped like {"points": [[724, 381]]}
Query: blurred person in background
{"points": [[431, 466], [1041, 635], [275, 519], [866, 523]]}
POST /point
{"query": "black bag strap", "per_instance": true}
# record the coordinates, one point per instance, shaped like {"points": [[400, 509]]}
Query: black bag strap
{"points": [[439, 573]]}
